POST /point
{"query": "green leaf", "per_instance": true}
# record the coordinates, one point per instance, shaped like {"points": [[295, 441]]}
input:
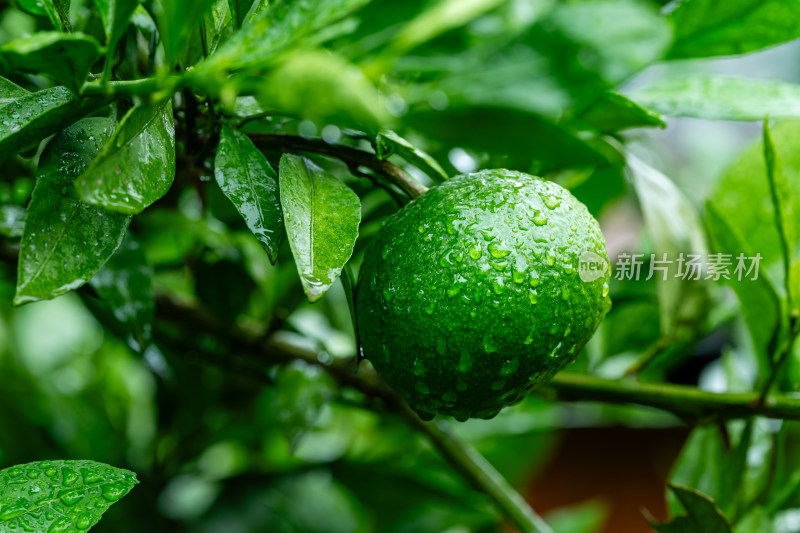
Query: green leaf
{"points": [[125, 287], [745, 181], [524, 137], [12, 220], [675, 228], [703, 513], [56, 10], [65, 242], [323, 87], [705, 28], [441, 17], [177, 21], [276, 29], [322, 216], [248, 180], [116, 15], [10, 91], [76, 53], [758, 300], [300, 392], [721, 98], [565, 61], [615, 38], [785, 219], [679, 524], [29, 119], [239, 10], [137, 165], [614, 112], [217, 23], [60, 495], [388, 143]]}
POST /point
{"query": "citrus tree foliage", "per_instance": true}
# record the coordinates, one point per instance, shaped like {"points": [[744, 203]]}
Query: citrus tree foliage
{"points": [[187, 192]]}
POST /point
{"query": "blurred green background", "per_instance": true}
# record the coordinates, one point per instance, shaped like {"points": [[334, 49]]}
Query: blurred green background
{"points": [[287, 449]]}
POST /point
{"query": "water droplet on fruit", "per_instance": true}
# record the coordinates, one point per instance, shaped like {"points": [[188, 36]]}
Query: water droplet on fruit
{"points": [[388, 294], [498, 286], [489, 343], [422, 388], [509, 366], [498, 250], [605, 289], [441, 346], [555, 350], [419, 367], [551, 201], [539, 219], [465, 361], [550, 257]]}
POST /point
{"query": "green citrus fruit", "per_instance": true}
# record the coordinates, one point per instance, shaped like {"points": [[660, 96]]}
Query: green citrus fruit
{"points": [[482, 288]]}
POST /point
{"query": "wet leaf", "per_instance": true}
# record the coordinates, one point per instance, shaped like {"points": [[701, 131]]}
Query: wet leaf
{"points": [[125, 287], [27, 120], [10, 91], [322, 216], [65, 242], [137, 165], [60, 496], [76, 53], [248, 180]]}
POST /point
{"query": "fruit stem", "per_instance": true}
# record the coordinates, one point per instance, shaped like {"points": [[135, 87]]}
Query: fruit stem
{"points": [[475, 468], [352, 156]]}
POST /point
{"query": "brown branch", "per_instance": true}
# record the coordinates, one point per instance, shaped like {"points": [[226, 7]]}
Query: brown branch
{"points": [[351, 156]]}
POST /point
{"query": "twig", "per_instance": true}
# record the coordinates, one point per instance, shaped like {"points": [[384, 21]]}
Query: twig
{"points": [[783, 353], [146, 86], [352, 156], [479, 472], [689, 403]]}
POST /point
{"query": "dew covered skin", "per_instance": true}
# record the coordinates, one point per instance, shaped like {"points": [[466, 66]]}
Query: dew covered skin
{"points": [[59, 496], [471, 294]]}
